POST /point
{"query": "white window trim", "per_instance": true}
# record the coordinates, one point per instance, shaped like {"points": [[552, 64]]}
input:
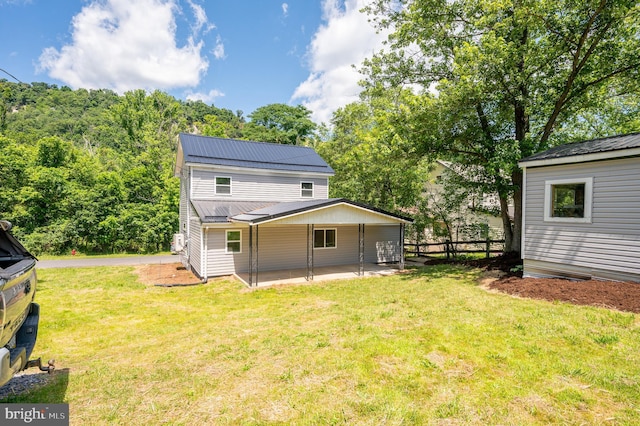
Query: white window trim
{"points": [[313, 189], [226, 241], [588, 200], [324, 242], [215, 185]]}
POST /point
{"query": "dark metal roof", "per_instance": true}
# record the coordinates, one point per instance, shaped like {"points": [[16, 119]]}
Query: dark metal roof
{"points": [[249, 154], [594, 146], [282, 209], [260, 211], [220, 211]]}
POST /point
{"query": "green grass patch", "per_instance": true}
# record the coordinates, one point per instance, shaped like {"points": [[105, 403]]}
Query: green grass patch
{"points": [[428, 347]]}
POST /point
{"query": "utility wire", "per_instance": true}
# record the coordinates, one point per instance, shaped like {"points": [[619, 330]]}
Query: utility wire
{"points": [[11, 75]]}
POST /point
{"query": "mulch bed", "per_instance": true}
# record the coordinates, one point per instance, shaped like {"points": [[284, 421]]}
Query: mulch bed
{"points": [[623, 296]]}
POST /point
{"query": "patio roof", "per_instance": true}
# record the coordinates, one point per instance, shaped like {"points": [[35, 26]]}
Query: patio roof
{"points": [[257, 212]]}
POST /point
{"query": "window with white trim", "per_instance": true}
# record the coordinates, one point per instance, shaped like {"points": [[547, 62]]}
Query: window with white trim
{"points": [[325, 238], [568, 200], [223, 185], [306, 189], [233, 241]]}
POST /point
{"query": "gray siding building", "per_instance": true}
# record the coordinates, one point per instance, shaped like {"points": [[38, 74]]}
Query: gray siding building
{"points": [[249, 207], [581, 214]]}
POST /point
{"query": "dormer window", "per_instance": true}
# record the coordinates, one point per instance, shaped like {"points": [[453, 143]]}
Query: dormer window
{"points": [[223, 185], [306, 189]]}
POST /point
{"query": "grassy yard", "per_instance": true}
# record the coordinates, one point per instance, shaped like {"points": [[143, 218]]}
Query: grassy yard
{"points": [[428, 347]]}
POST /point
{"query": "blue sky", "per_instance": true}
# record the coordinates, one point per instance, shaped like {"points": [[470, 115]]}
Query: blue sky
{"points": [[235, 54]]}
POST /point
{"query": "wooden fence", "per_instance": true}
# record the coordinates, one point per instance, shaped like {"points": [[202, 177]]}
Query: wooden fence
{"points": [[451, 248]]}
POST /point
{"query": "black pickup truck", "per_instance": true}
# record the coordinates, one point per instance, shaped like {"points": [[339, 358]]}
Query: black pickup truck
{"points": [[19, 315]]}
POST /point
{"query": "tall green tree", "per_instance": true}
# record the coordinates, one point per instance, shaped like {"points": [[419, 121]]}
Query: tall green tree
{"points": [[280, 123], [506, 76], [374, 164]]}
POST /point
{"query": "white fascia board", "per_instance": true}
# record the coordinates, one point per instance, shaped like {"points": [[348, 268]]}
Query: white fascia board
{"points": [[225, 225], [584, 158], [255, 171]]}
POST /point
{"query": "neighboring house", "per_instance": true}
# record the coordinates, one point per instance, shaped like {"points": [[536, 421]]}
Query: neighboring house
{"points": [[479, 209], [250, 207], [581, 215]]}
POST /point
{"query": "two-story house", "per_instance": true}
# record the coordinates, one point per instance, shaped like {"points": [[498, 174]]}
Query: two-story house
{"points": [[250, 207]]}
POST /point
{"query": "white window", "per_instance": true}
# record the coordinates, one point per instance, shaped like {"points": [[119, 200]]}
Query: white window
{"points": [[568, 200], [306, 189], [223, 185], [233, 242], [325, 238]]}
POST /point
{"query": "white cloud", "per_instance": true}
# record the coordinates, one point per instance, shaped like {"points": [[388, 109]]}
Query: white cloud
{"points": [[285, 9], [125, 45], [345, 39], [201, 19], [207, 98], [218, 51]]}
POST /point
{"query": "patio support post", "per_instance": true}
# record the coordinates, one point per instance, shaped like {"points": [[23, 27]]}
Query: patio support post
{"points": [[310, 252], [361, 249], [253, 255], [401, 263], [250, 255]]}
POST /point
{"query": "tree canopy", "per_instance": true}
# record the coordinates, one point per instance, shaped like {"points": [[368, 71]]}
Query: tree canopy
{"points": [[504, 80]]}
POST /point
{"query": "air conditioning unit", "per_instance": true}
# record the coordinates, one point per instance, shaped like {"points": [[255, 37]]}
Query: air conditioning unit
{"points": [[178, 243]]}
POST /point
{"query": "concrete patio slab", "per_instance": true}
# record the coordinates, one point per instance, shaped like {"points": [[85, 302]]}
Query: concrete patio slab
{"points": [[297, 276]]}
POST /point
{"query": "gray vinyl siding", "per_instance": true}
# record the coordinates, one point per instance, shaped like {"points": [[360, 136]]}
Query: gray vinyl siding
{"points": [[610, 242], [382, 243], [282, 247], [346, 250], [194, 243], [250, 187], [218, 261]]}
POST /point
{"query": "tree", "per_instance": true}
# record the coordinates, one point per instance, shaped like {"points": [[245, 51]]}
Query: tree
{"points": [[506, 76], [280, 123], [373, 164]]}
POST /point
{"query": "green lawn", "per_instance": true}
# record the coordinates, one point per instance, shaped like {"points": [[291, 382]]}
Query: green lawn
{"points": [[428, 347]]}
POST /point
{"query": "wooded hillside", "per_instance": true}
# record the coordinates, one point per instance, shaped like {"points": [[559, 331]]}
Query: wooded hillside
{"points": [[92, 170]]}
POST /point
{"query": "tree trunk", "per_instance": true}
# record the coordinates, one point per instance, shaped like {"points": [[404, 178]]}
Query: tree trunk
{"points": [[516, 178], [506, 223]]}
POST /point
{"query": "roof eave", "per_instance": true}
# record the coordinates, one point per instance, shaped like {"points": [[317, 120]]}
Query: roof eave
{"points": [[583, 158], [259, 170]]}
